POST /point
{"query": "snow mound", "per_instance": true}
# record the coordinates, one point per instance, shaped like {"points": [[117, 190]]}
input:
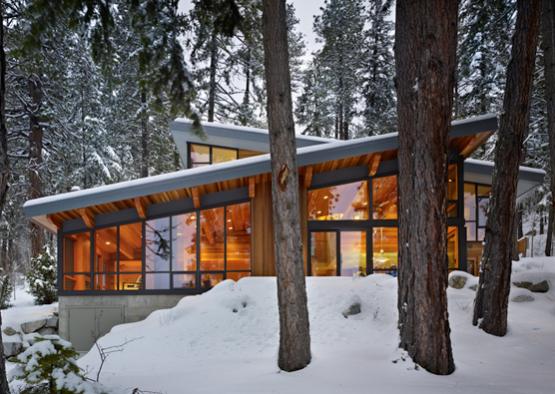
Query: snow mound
{"points": [[225, 340]]}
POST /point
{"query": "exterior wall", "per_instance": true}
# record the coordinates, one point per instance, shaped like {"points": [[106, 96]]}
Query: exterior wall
{"points": [[82, 319]]}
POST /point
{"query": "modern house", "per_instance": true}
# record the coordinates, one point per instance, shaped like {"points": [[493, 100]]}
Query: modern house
{"points": [[129, 248]]}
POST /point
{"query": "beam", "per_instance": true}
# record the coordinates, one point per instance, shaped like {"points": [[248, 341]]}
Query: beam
{"points": [[87, 217], [308, 177], [196, 198], [252, 187], [474, 143], [140, 206], [374, 164]]}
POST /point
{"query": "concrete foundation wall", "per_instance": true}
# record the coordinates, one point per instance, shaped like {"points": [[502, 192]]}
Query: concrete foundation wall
{"points": [[83, 319]]}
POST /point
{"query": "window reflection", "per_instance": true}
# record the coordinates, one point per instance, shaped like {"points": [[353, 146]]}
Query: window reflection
{"points": [[353, 253], [209, 280], [200, 154], [385, 248], [384, 197], [342, 202], [469, 201], [220, 155], [184, 242], [157, 247], [323, 253], [238, 225], [212, 239]]}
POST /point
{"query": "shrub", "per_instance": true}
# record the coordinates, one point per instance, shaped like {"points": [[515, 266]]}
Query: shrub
{"points": [[49, 365], [42, 278], [6, 289]]}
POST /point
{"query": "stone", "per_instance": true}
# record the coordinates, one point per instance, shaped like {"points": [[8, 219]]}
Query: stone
{"points": [[48, 331], [522, 298], [473, 287], [52, 322], [12, 348], [9, 331], [354, 309], [457, 281], [523, 285], [32, 326], [540, 287]]}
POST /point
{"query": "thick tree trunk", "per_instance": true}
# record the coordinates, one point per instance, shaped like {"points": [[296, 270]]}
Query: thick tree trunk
{"points": [[425, 48], [490, 308], [4, 167], [294, 341], [548, 46], [145, 151], [212, 83], [35, 160]]}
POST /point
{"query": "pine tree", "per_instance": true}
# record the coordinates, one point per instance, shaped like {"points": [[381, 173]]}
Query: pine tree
{"points": [[42, 278]]}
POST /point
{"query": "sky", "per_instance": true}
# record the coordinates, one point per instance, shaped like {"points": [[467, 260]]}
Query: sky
{"points": [[305, 11]]}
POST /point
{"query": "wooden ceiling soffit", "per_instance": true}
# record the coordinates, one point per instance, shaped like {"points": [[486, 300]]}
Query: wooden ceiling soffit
{"points": [[308, 177], [478, 140], [196, 198], [252, 187], [374, 164], [140, 206], [87, 217], [47, 222]]}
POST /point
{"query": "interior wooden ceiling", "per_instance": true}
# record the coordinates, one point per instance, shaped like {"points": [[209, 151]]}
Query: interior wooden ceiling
{"points": [[465, 145]]}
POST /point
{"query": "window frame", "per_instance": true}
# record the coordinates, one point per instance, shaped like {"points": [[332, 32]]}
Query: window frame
{"points": [[210, 153], [142, 290]]}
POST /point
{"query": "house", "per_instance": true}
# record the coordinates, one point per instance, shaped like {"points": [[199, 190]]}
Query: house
{"points": [[129, 248]]}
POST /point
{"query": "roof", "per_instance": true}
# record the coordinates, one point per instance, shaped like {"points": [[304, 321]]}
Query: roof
{"points": [[316, 152]]}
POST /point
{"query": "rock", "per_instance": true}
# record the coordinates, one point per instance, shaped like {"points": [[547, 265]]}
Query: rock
{"points": [[354, 309], [9, 331], [473, 287], [522, 298], [12, 348], [52, 322], [540, 287], [47, 331], [32, 326], [523, 285], [457, 281]]}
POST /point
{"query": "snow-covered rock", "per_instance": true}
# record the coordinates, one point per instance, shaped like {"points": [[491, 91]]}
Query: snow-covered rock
{"points": [[523, 298], [52, 322], [12, 348], [9, 331], [32, 326]]}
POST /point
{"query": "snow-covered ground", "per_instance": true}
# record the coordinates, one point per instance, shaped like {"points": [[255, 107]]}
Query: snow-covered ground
{"points": [[226, 341]]}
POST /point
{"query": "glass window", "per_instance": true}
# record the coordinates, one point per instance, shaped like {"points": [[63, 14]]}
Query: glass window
{"points": [[105, 281], [384, 248], [353, 252], [238, 224], [247, 153], [77, 282], [77, 252], [209, 280], [483, 204], [200, 154], [130, 247], [212, 239], [384, 197], [157, 247], [469, 201], [157, 281], [471, 231], [484, 190], [220, 155], [453, 247], [452, 184], [184, 242], [323, 253], [237, 275], [342, 202], [481, 234], [130, 281], [105, 250], [184, 281]]}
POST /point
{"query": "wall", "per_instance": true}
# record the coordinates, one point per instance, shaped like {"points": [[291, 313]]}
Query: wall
{"points": [[85, 318]]}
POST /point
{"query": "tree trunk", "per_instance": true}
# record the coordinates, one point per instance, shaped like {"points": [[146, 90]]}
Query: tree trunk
{"points": [[212, 84], [425, 50], [4, 167], [145, 157], [35, 159], [548, 46], [294, 341], [243, 117], [490, 307]]}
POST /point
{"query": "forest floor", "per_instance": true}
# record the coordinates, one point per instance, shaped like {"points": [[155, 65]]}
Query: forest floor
{"points": [[226, 340]]}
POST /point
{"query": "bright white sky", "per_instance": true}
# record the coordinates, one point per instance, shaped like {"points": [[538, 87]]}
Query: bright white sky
{"points": [[305, 11]]}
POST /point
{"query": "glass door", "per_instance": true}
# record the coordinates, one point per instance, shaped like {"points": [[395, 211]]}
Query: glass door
{"points": [[335, 253]]}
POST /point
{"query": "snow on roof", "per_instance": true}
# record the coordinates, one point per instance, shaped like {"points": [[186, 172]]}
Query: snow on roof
{"points": [[255, 165], [491, 164]]}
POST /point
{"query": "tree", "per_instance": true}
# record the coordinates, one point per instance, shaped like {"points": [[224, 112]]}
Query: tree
{"points": [[294, 343], [425, 50], [548, 47], [490, 308], [4, 165]]}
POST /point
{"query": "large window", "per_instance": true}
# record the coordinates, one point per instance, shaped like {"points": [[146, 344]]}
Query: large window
{"points": [[192, 251], [341, 202], [202, 155], [384, 197], [476, 202], [385, 248]]}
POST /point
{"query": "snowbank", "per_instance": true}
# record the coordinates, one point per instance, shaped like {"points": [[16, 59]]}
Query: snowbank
{"points": [[226, 341]]}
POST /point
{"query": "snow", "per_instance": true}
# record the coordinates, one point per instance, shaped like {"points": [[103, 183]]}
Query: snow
{"points": [[225, 340], [492, 164]]}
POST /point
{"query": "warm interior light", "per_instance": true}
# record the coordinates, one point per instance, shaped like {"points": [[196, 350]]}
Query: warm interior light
{"points": [[325, 197], [179, 234], [108, 242], [229, 220], [230, 228]]}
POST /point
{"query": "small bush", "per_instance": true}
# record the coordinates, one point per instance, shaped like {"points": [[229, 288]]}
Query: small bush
{"points": [[42, 278], [49, 365], [6, 290]]}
